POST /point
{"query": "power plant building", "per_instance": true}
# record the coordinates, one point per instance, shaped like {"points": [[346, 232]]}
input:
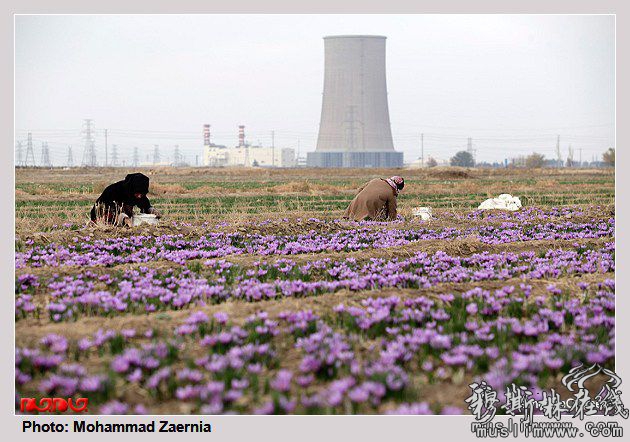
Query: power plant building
{"points": [[245, 155], [354, 128]]}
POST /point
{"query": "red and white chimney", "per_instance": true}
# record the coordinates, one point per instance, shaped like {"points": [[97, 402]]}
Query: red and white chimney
{"points": [[241, 136], [206, 135]]}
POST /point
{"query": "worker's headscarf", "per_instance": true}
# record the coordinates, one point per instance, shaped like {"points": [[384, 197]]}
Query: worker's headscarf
{"points": [[137, 183], [397, 183]]}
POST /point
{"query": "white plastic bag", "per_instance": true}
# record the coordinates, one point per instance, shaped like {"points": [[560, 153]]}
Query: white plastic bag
{"points": [[505, 201]]}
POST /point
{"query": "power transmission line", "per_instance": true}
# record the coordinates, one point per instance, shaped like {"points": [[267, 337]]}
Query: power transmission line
{"points": [[69, 159], [156, 154], [442, 142], [114, 162], [558, 151], [89, 149], [136, 158], [18, 154], [470, 149], [30, 154], [45, 155], [570, 157], [177, 160]]}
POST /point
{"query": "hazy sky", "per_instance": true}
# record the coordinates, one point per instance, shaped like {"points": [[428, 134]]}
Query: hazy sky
{"points": [[510, 82]]}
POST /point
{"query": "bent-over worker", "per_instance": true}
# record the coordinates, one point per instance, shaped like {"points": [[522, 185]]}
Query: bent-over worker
{"points": [[376, 200], [116, 203]]}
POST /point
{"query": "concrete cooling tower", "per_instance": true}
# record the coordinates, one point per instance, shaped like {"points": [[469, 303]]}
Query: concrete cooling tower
{"points": [[354, 129]]}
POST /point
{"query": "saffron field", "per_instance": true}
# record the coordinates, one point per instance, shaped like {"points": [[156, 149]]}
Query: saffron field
{"points": [[253, 296]]}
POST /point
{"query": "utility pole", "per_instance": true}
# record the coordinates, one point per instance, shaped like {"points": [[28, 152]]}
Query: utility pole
{"points": [[30, 154], [136, 158], [156, 154], [106, 162], [69, 159], [18, 154], [422, 149], [580, 157], [559, 158], [273, 148]]}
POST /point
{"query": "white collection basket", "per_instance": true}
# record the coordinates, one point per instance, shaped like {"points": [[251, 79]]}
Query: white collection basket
{"points": [[425, 213], [145, 218]]}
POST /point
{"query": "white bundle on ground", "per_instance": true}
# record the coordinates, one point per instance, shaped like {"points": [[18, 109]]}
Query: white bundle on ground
{"points": [[504, 201], [423, 212], [144, 218]]}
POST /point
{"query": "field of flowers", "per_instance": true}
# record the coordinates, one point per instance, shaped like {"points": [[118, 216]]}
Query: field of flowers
{"points": [[303, 312]]}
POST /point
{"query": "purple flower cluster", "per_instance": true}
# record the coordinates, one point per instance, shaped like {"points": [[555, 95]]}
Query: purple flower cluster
{"points": [[146, 290], [176, 248]]}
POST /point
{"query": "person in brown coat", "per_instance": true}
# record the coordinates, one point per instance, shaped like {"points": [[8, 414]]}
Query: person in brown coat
{"points": [[376, 200]]}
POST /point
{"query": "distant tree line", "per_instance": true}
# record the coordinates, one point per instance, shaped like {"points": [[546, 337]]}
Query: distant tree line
{"points": [[463, 159], [535, 160], [609, 157]]}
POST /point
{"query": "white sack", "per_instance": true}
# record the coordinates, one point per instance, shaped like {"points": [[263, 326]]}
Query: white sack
{"points": [[504, 201]]}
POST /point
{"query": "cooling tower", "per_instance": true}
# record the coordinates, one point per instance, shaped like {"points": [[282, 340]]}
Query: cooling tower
{"points": [[354, 129]]}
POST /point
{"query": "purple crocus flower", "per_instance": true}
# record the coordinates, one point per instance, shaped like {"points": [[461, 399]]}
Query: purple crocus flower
{"points": [[282, 382]]}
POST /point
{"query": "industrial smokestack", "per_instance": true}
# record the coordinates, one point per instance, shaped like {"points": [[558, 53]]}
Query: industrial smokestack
{"points": [[206, 135], [241, 136], [354, 129]]}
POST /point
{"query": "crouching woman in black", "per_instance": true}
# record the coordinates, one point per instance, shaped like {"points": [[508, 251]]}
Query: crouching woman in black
{"points": [[116, 203]]}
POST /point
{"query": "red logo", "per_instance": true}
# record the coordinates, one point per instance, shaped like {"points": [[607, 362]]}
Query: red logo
{"points": [[29, 404]]}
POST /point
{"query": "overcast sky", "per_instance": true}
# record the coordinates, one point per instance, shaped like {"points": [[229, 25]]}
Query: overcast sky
{"points": [[510, 82]]}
